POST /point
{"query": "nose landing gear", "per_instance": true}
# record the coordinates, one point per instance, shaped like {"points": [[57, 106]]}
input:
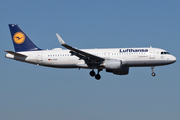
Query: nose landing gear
{"points": [[97, 76], [153, 74]]}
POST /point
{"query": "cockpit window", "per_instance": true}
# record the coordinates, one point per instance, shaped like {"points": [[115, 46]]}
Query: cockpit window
{"points": [[164, 53]]}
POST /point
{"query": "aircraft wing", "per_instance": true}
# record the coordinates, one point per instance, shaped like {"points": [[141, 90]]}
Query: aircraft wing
{"points": [[15, 53], [79, 53]]}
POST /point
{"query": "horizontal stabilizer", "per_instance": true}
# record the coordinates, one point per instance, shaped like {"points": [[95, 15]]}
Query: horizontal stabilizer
{"points": [[14, 53]]}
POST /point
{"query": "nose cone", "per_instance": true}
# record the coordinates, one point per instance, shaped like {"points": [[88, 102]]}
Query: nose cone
{"points": [[173, 59]]}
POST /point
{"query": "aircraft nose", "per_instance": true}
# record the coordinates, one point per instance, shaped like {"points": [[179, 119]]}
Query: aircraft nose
{"points": [[173, 59]]}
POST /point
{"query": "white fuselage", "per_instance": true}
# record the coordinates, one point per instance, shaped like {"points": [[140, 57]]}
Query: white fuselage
{"points": [[116, 60], [130, 57]]}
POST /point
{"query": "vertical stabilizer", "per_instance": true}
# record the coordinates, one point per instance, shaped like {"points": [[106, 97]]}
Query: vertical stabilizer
{"points": [[20, 40]]}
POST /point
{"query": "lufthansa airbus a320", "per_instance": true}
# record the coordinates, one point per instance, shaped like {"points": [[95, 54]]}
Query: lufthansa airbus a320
{"points": [[113, 60]]}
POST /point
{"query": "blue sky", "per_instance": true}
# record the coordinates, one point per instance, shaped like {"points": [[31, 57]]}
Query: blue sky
{"points": [[34, 92]]}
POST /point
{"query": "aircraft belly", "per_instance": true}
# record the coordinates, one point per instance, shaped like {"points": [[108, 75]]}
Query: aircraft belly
{"points": [[139, 63]]}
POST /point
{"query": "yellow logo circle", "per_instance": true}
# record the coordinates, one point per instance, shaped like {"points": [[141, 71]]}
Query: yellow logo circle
{"points": [[19, 38]]}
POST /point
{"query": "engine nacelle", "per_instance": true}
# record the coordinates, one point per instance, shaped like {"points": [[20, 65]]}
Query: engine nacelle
{"points": [[122, 71], [113, 64]]}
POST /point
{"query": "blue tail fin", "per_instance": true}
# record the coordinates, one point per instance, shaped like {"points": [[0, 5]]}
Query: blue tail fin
{"points": [[20, 40]]}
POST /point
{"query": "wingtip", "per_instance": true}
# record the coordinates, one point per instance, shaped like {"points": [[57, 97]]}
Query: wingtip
{"points": [[60, 39]]}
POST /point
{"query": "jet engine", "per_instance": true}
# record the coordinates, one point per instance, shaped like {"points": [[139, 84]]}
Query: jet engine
{"points": [[113, 64], [122, 71]]}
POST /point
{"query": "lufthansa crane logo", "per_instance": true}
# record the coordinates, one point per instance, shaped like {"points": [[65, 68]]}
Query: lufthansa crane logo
{"points": [[19, 38]]}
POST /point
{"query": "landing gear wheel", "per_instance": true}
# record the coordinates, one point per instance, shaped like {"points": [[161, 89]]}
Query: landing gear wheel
{"points": [[153, 74], [97, 77], [92, 73]]}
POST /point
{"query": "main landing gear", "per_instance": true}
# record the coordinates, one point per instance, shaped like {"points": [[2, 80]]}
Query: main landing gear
{"points": [[153, 74], [97, 76]]}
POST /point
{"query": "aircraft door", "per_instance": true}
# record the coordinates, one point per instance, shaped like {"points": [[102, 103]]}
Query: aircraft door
{"points": [[39, 57], [108, 54], [152, 53]]}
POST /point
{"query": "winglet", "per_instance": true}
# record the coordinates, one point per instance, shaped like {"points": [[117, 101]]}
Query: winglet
{"points": [[60, 39]]}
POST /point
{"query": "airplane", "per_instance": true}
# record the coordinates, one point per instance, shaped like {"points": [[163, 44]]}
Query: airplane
{"points": [[113, 60]]}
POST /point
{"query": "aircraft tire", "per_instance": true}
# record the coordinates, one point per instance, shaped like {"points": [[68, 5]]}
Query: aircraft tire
{"points": [[153, 74], [92, 73], [98, 77]]}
